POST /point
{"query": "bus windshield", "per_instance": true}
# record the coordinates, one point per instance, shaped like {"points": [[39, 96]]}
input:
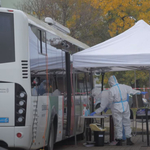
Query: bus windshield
{"points": [[7, 48]]}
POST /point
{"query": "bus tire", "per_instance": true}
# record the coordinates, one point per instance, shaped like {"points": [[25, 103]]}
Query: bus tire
{"points": [[82, 136], [52, 138]]}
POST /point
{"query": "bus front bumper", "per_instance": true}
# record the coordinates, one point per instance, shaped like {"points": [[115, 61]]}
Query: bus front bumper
{"points": [[8, 136]]}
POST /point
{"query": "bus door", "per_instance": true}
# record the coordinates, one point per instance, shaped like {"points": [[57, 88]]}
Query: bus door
{"points": [[38, 52]]}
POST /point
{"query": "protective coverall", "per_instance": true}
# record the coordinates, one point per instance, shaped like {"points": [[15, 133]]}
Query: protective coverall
{"points": [[104, 97], [118, 95]]}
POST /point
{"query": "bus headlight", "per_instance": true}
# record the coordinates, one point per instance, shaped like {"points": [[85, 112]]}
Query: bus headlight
{"points": [[20, 119], [22, 94], [21, 103], [20, 111]]}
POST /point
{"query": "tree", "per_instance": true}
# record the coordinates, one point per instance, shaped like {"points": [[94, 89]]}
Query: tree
{"points": [[33, 7], [122, 14], [127, 77]]}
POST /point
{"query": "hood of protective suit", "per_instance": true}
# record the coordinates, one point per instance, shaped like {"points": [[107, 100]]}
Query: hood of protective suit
{"points": [[112, 81], [96, 92]]}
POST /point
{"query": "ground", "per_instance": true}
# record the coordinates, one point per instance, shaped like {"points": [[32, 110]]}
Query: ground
{"points": [[136, 139], [69, 144]]}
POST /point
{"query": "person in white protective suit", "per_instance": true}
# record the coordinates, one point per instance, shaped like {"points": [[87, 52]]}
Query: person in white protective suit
{"points": [[118, 97], [104, 97]]}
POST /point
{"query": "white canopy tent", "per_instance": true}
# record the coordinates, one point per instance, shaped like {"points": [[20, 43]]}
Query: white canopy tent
{"points": [[128, 51]]}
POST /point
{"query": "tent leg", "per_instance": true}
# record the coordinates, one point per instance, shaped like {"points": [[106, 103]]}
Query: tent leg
{"points": [[75, 137], [102, 80], [102, 120], [92, 99]]}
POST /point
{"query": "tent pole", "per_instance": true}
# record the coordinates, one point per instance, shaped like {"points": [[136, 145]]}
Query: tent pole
{"points": [[103, 73], [137, 106], [75, 137], [86, 83], [149, 84], [102, 80], [88, 137], [92, 99]]}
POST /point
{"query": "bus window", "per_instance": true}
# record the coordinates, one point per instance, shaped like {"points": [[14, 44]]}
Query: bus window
{"points": [[57, 84], [35, 59], [7, 48], [41, 39], [56, 65], [44, 48], [80, 84], [61, 80], [34, 85], [42, 42], [42, 89]]}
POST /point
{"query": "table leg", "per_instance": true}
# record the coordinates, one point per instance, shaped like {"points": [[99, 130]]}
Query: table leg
{"points": [[87, 130], [142, 130], [102, 120], [103, 123], [147, 129], [85, 127], [111, 132]]}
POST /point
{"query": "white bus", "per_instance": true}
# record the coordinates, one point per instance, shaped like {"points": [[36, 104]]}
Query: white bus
{"points": [[36, 100]]}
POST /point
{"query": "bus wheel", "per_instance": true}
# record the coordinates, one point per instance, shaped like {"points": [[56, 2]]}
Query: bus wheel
{"points": [[81, 136], [51, 141]]}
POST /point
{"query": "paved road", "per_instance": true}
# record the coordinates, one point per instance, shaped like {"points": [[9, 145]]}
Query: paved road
{"points": [[136, 139], [2, 148], [69, 144]]}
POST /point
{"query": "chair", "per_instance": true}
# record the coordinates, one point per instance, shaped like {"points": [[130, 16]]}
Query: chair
{"points": [[140, 119], [145, 102]]}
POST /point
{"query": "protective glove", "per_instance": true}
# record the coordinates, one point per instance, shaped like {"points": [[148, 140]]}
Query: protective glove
{"points": [[143, 93], [105, 110], [93, 113]]}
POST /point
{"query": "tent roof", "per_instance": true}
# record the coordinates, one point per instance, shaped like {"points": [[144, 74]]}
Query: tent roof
{"points": [[128, 51]]}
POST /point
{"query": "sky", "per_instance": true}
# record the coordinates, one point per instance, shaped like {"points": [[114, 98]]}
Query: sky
{"points": [[9, 3]]}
